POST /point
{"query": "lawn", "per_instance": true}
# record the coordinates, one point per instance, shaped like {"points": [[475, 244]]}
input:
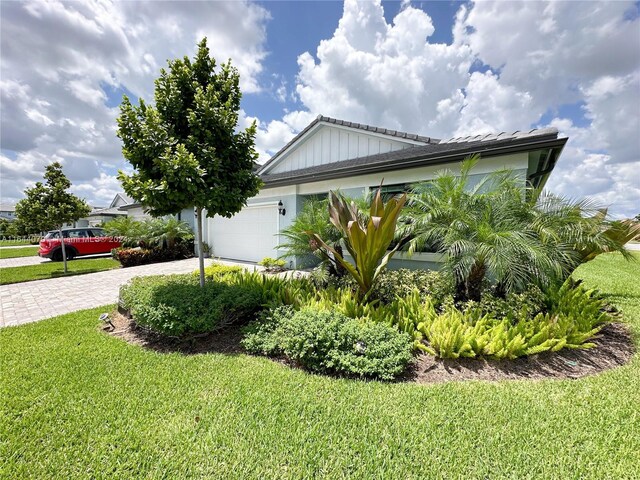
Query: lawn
{"points": [[78, 403], [55, 269], [14, 243], [18, 252]]}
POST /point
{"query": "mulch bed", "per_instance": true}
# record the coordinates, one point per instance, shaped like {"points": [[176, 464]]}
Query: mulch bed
{"points": [[614, 347]]}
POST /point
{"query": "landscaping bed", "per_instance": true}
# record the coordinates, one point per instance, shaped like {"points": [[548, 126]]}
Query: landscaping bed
{"points": [[412, 331], [614, 347]]}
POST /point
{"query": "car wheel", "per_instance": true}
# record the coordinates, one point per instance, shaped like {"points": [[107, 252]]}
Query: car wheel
{"points": [[57, 256]]}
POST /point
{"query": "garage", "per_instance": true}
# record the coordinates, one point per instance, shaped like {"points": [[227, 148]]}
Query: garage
{"points": [[249, 235]]}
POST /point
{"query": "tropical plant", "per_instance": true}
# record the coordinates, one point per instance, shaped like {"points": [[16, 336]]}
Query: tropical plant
{"points": [[166, 232], [130, 231], [272, 264], [367, 241], [187, 149], [502, 232], [297, 238]]}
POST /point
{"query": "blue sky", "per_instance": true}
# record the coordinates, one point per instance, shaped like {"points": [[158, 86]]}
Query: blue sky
{"points": [[441, 69]]}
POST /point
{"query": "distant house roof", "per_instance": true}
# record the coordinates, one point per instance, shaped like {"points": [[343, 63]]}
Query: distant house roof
{"points": [[432, 152], [419, 139], [107, 212], [7, 207]]}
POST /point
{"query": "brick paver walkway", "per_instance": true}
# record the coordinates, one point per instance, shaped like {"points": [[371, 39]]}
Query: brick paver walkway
{"points": [[32, 301]]}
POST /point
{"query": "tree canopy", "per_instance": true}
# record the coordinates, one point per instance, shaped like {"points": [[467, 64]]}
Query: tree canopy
{"points": [[49, 206], [187, 149]]}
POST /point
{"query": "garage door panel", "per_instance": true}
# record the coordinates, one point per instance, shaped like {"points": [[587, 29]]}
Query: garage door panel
{"points": [[249, 235]]}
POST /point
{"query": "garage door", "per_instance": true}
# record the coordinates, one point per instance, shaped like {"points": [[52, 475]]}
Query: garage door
{"points": [[249, 235]]}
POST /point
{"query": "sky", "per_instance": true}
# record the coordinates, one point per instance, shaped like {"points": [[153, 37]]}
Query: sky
{"points": [[440, 69]]}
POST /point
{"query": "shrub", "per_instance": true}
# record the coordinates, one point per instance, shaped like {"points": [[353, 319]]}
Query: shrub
{"points": [[574, 316], [176, 305], [218, 272], [497, 328], [329, 342], [272, 264], [400, 283], [131, 257]]}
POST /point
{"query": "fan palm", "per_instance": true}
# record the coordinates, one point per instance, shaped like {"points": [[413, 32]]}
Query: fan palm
{"points": [[314, 217], [497, 230], [130, 231], [167, 231]]}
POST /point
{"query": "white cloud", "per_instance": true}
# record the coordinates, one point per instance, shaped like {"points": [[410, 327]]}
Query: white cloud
{"points": [[58, 58], [390, 75], [540, 56]]}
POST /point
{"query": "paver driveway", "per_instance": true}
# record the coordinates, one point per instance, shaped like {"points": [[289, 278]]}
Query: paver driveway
{"points": [[32, 301]]}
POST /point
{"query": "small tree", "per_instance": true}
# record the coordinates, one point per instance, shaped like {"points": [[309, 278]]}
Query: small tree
{"points": [[49, 206], [186, 150]]}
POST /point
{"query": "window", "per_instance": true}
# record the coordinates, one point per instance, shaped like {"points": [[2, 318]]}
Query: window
{"points": [[98, 233], [389, 191], [76, 234]]}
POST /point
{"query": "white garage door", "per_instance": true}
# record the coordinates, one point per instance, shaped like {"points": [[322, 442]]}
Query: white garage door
{"points": [[249, 235]]}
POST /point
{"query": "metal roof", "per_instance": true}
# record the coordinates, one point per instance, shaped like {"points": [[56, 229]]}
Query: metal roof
{"points": [[452, 150], [360, 126]]}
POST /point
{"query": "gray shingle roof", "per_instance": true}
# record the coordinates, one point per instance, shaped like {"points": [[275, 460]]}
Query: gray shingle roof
{"points": [[361, 126], [451, 150]]}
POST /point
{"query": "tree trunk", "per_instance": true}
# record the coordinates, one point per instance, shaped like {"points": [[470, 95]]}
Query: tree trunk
{"points": [[64, 250], [199, 241], [474, 282]]}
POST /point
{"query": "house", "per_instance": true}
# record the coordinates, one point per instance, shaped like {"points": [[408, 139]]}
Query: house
{"points": [[100, 215], [8, 211], [332, 154], [137, 211]]}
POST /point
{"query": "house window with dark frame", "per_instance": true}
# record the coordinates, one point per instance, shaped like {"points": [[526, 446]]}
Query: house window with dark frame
{"points": [[389, 191]]}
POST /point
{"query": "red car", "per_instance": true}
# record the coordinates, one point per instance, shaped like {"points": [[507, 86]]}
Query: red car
{"points": [[77, 242]]}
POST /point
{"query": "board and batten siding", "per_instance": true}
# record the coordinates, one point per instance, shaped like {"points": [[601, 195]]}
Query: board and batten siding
{"points": [[333, 144]]}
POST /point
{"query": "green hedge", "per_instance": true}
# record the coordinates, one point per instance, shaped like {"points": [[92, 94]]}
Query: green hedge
{"points": [[176, 304], [330, 342]]}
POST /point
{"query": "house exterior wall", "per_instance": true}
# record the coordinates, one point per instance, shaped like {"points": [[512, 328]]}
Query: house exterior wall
{"points": [[334, 143], [294, 196], [137, 213]]}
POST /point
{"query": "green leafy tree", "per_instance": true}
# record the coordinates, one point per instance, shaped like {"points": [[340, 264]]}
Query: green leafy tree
{"points": [[187, 150], [49, 206]]}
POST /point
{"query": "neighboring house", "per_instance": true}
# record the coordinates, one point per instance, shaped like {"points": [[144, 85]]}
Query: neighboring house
{"points": [[137, 211], [332, 154], [8, 211], [99, 216]]}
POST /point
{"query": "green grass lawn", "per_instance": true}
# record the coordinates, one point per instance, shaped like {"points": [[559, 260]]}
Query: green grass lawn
{"points": [[55, 269], [14, 243], [77, 403], [18, 252]]}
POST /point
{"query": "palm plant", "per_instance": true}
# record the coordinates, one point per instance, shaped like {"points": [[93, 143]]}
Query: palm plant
{"points": [[498, 231], [130, 231], [167, 232], [367, 241], [298, 242]]}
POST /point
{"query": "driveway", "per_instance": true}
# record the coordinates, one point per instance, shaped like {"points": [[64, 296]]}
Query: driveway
{"points": [[32, 301]]}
